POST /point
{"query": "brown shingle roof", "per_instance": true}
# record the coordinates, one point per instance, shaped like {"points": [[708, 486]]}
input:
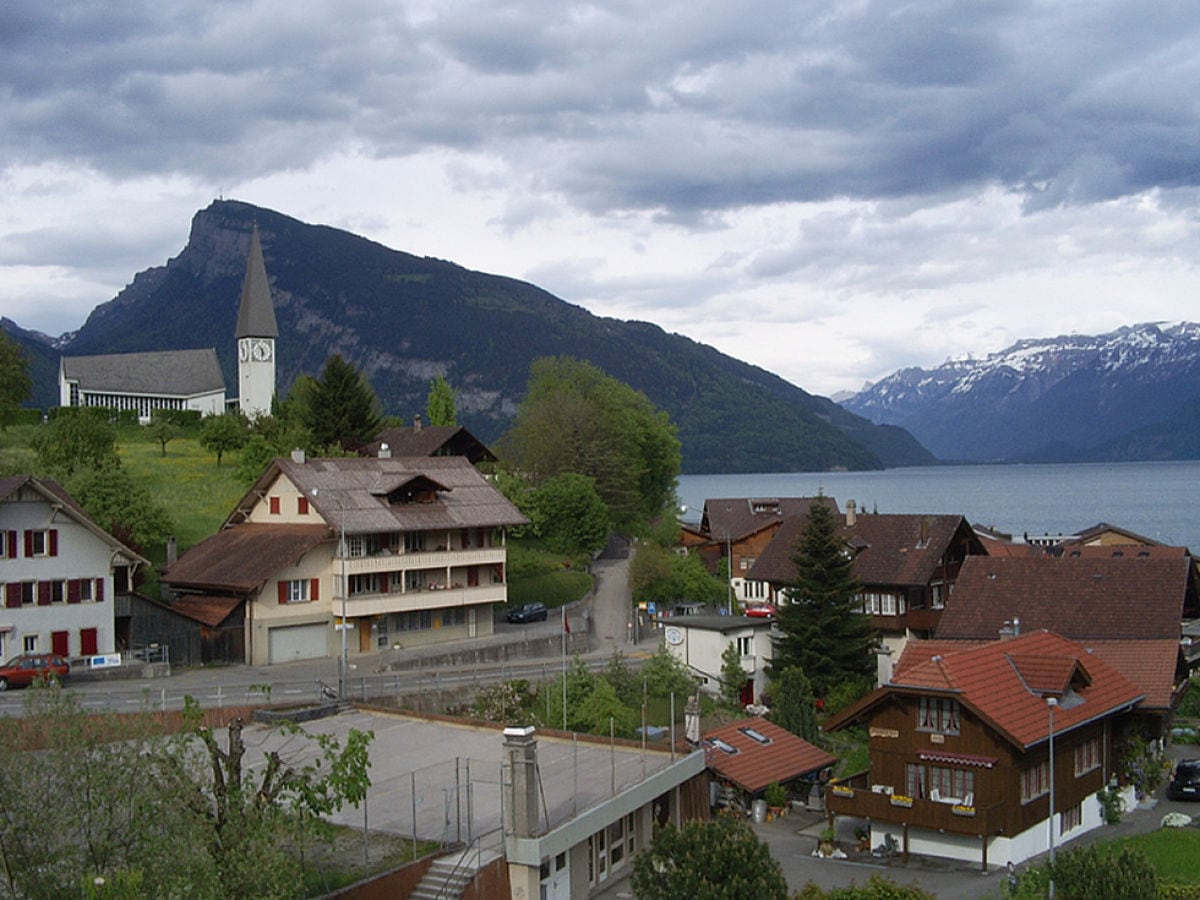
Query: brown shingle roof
{"points": [[756, 765], [739, 517], [1082, 598], [206, 610], [431, 440], [896, 549], [988, 681], [242, 558]]}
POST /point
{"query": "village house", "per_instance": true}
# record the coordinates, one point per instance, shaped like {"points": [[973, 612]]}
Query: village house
{"points": [[699, 642], [59, 573], [962, 745], [422, 556], [431, 440], [739, 530], [906, 566]]}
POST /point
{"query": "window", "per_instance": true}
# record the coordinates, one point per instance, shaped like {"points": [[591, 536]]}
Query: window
{"points": [[1035, 781], [85, 590], [743, 646], [364, 584], [914, 780], [28, 593], [58, 592], [273, 502], [1070, 818], [1087, 756], [356, 545], [31, 643], [951, 784], [877, 604], [940, 714], [937, 595], [297, 591], [414, 541], [41, 542]]}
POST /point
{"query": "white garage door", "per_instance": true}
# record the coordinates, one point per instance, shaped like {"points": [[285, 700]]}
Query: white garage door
{"points": [[298, 642]]}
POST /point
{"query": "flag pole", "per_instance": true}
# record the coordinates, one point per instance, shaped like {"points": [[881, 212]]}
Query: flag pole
{"points": [[563, 610]]}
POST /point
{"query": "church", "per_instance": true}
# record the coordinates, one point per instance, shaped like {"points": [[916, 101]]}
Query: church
{"points": [[186, 379]]}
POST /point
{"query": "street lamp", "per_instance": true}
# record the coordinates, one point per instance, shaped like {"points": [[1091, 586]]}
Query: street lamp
{"points": [[1051, 703], [343, 662]]}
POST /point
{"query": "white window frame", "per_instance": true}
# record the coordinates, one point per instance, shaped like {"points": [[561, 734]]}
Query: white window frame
{"points": [[297, 590]]}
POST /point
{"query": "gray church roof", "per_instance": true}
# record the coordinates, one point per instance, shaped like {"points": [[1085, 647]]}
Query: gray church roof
{"points": [[182, 373], [256, 315]]}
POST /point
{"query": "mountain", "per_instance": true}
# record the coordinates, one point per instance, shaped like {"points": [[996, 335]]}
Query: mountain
{"points": [[1132, 394], [404, 319]]}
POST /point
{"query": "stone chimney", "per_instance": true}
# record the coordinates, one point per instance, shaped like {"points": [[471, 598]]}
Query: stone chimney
{"points": [[851, 513], [172, 550], [385, 450], [520, 775], [1010, 629], [298, 456], [417, 424]]}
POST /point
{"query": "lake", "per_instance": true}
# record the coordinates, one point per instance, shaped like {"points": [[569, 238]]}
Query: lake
{"points": [[1160, 500]]}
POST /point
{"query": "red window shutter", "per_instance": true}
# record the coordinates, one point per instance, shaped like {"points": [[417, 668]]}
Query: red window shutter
{"points": [[54, 542], [60, 642], [283, 592], [99, 590], [314, 590], [87, 641], [274, 503], [73, 590], [302, 505], [12, 595], [12, 545], [28, 542], [43, 593]]}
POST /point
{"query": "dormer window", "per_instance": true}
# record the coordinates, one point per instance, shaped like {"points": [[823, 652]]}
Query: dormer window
{"points": [[938, 714]]}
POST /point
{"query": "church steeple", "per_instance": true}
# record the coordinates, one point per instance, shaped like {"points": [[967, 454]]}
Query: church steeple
{"points": [[256, 333]]}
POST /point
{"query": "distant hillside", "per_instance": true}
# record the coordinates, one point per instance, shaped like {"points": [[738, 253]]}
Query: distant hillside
{"points": [[405, 319], [1132, 394]]}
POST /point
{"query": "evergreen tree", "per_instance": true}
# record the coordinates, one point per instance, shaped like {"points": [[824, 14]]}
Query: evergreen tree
{"points": [[821, 631], [733, 675], [440, 408], [341, 408], [793, 706]]}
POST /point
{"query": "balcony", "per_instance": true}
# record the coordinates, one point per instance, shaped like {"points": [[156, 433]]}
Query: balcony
{"points": [[416, 599], [854, 796], [425, 559]]}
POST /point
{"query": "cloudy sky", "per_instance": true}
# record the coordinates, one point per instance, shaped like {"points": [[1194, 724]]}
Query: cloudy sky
{"points": [[831, 190]]}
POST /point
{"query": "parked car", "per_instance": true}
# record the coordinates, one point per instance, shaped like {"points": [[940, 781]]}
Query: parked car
{"points": [[1185, 781], [762, 611], [24, 670], [530, 612]]}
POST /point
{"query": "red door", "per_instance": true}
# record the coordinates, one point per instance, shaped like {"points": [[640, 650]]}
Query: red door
{"points": [[60, 642], [87, 641]]}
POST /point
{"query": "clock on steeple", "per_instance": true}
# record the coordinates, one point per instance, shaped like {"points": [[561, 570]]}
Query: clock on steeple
{"points": [[256, 333]]}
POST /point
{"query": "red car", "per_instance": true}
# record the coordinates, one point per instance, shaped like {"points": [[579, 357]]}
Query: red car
{"points": [[765, 611], [24, 670]]}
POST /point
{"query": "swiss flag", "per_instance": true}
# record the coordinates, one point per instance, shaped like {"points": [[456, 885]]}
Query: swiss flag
{"points": [[566, 623]]}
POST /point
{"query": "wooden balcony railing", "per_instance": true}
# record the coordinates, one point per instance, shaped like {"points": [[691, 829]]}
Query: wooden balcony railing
{"points": [[856, 796]]}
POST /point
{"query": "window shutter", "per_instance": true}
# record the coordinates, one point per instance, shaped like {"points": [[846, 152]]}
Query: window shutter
{"points": [[12, 595], [28, 542], [12, 545], [314, 590], [283, 592], [54, 542], [302, 505], [274, 504], [99, 590], [43, 593], [73, 590]]}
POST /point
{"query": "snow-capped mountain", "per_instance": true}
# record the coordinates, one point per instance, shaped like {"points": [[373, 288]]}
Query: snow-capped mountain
{"points": [[1129, 394]]}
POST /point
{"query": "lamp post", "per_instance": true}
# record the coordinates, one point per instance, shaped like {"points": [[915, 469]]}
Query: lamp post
{"points": [[1051, 703], [343, 661]]}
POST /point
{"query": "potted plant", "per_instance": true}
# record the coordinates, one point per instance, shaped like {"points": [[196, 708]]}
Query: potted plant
{"points": [[863, 835], [776, 796], [825, 841]]}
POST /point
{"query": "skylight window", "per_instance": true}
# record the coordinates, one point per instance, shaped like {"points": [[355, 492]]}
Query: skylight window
{"points": [[757, 736], [723, 747]]}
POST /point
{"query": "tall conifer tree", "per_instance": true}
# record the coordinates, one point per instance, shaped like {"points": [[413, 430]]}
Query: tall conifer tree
{"points": [[821, 631], [341, 407]]}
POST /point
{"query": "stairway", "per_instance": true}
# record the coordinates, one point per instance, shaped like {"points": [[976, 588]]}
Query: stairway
{"points": [[448, 875]]}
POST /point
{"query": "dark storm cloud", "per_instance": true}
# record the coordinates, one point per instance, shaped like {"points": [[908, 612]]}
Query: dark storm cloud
{"points": [[687, 110]]}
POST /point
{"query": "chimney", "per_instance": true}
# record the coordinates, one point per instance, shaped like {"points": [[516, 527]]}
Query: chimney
{"points": [[521, 778], [298, 456], [851, 513], [172, 550], [385, 450], [1010, 629], [417, 424]]}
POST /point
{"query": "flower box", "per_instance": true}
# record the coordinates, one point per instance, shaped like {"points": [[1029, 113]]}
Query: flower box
{"points": [[842, 790], [901, 800], [959, 810]]}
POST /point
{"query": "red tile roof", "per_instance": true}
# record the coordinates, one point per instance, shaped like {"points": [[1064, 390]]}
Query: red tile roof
{"points": [[756, 765], [1083, 598], [989, 680]]}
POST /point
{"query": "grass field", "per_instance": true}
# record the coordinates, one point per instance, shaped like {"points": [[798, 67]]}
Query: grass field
{"points": [[196, 492], [1174, 852]]}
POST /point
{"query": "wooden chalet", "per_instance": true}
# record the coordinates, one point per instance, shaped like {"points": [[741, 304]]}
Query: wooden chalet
{"points": [[430, 440], [960, 748], [907, 566]]}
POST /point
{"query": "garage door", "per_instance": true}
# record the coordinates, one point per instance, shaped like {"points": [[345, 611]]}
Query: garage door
{"points": [[298, 642]]}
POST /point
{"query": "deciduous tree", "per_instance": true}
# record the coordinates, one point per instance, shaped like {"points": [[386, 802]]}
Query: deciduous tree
{"points": [[440, 407], [722, 859], [15, 382], [223, 433], [77, 438], [822, 633], [568, 515]]}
